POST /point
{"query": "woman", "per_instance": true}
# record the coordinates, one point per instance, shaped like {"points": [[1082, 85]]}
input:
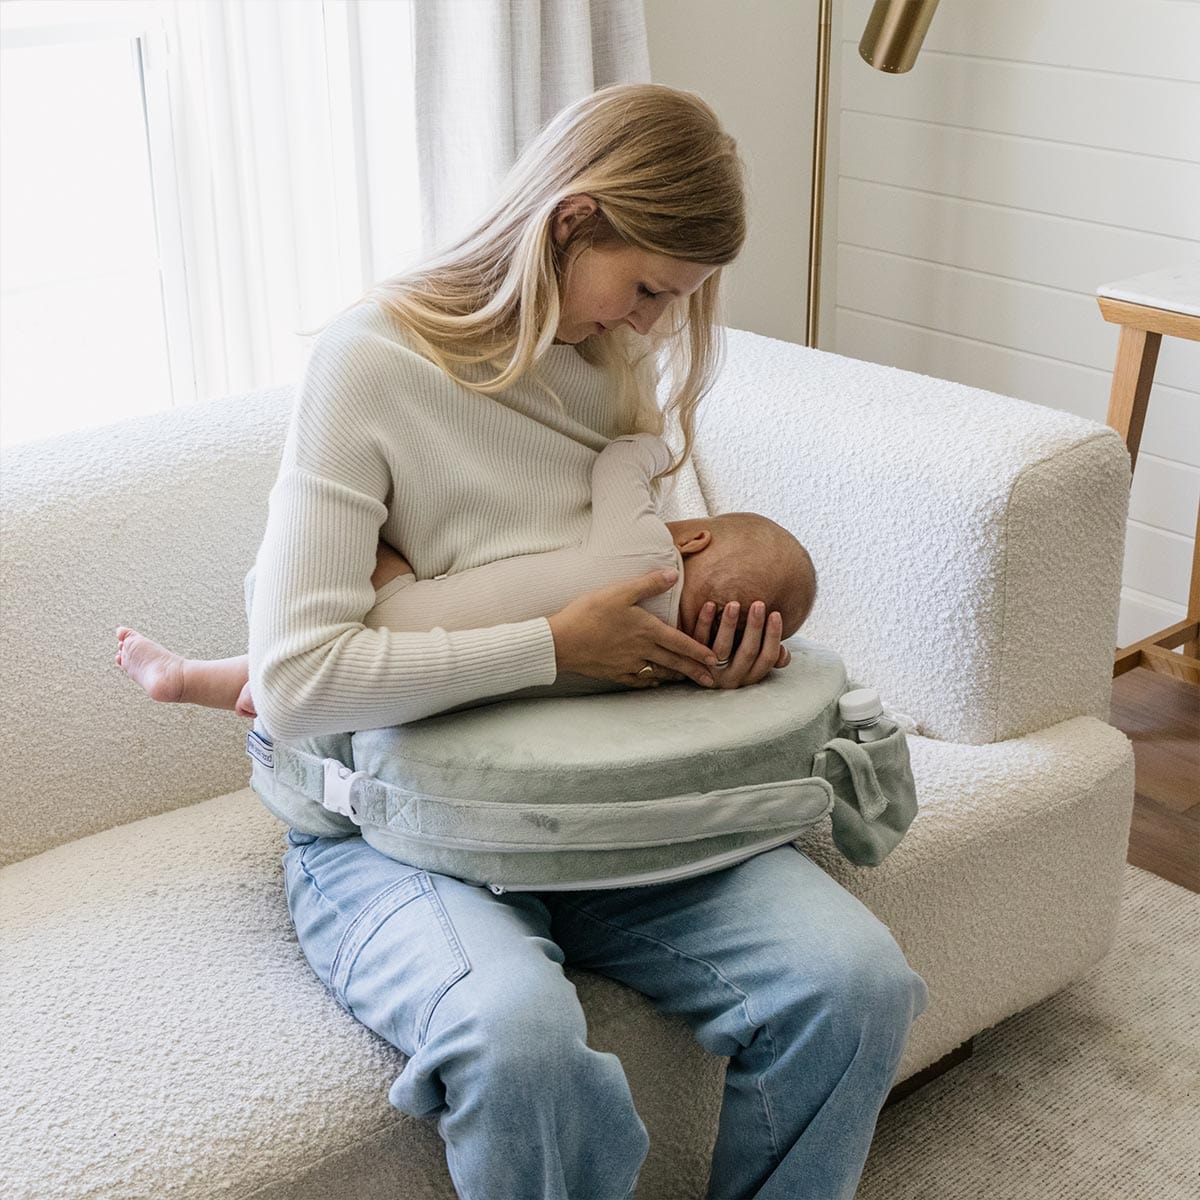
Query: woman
{"points": [[456, 414]]}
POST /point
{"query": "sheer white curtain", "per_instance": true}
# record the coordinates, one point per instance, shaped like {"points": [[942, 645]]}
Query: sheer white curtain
{"points": [[265, 115], [490, 73], [321, 145]]}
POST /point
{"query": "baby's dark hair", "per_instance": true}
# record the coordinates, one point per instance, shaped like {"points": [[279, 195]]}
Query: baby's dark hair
{"points": [[771, 565]]}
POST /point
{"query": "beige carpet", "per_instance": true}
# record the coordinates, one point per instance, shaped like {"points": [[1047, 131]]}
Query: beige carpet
{"points": [[1093, 1094]]}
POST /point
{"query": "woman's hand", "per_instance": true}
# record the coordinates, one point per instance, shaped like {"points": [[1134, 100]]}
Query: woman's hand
{"points": [[759, 652], [605, 635]]}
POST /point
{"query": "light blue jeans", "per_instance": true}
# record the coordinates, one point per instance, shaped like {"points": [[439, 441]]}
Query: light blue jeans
{"points": [[770, 962]]}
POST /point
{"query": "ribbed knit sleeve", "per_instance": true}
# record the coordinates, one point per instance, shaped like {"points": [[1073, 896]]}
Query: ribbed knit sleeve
{"points": [[314, 667]]}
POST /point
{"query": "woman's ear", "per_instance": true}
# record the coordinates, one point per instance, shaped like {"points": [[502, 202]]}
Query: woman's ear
{"points": [[569, 215], [692, 541]]}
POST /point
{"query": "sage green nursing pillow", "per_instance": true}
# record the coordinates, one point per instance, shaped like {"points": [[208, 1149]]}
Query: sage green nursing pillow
{"points": [[617, 789]]}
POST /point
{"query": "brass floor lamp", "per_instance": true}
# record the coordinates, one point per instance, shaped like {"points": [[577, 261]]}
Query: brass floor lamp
{"points": [[891, 42]]}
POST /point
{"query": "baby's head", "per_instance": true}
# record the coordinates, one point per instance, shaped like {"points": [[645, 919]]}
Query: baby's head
{"points": [[743, 557]]}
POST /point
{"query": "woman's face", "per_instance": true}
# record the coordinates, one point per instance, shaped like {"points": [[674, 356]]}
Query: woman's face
{"points": [[606, 286]]}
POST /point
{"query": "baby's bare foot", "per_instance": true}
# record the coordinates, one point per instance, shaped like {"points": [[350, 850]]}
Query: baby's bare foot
{"points": [[154, 668]]}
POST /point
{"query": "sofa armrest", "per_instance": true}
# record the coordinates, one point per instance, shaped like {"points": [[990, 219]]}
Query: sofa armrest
{"points": [[968, 545], [153, 523]]}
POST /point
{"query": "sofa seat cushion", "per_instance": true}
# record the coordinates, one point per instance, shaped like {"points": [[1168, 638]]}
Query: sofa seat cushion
{"points": [[1007, 885], [163, 1035]]}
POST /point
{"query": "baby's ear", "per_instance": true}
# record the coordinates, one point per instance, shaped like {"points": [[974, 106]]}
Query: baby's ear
{"points": [[692, 541]]}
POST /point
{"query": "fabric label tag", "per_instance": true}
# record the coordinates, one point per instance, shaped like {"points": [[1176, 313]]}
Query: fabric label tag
{"points": [[258, 746]]}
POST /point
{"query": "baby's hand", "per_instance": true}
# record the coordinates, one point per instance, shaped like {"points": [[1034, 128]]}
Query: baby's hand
{"points": [[759, 652]]}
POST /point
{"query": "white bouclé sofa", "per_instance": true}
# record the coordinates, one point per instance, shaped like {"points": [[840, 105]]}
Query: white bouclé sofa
{"points": [[162, 1033]]}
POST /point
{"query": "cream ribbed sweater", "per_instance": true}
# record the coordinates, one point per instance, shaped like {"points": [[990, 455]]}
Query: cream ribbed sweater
{"points": [[382, 443]]}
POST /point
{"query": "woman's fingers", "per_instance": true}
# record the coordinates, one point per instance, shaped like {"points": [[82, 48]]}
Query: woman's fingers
{"points": [[678, 652], [758, 652], [746, 658], [768, 654], [704, 623], [653, 583], [674, 653], [726, 632]]}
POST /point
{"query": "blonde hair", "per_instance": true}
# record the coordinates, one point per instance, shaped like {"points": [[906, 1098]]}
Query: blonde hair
{"points": [[665, 177]]}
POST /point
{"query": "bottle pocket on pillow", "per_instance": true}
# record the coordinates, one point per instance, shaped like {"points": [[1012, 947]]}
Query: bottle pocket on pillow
{"points": [[874, 794]]}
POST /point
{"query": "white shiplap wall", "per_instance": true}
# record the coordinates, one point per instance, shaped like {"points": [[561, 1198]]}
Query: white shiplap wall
{"points": [[1039, 148]]}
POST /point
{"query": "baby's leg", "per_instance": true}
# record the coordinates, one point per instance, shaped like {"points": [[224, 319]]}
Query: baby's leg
{"points": [[215, 683], [170, 678]]}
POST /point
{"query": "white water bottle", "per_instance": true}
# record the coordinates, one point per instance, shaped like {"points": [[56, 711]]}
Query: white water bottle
{"points": [[862, 714]]}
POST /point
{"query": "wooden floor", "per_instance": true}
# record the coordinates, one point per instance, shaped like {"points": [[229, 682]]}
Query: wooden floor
{"points": [[1161, 716]]}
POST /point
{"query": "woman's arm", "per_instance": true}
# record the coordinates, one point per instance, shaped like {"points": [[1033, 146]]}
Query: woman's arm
{"points": [[315, 667]]}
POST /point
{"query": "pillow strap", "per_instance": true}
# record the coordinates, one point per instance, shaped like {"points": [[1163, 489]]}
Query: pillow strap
{"points": [[872, 803], [775, 806]]}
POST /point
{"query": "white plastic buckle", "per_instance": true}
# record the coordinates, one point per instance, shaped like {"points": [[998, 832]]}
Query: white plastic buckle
{"points": [[339, 779]]}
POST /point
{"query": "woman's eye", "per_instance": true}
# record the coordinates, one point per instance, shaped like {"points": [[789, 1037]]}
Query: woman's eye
{"points": [[647, 292]]}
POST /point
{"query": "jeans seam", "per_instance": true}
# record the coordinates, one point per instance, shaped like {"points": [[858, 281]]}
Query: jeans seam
{"points": [[461, 966], [350, 949], [368, 911], [771, 1124], [312, 879]]}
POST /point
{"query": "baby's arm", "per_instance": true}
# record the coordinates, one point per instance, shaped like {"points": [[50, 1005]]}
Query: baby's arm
{"points": [[624, 515], [626, 539], [500, 592]]}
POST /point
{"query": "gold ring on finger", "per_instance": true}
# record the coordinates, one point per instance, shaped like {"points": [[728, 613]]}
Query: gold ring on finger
{"points": [[720, 664], [646, 671]]}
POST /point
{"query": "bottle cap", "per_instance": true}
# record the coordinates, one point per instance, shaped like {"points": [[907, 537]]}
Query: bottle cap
{"points": [[861, 705]]}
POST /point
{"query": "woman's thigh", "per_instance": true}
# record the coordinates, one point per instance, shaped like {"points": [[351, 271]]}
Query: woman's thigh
{"points": [[727, 950], [391, 941]]}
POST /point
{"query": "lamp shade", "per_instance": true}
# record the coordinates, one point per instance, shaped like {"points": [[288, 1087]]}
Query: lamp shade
{"points": [[894, 33]]}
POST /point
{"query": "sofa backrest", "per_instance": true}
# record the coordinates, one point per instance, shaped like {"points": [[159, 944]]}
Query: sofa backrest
{"points": [[150, 523], [968, 548], [968, 545]]}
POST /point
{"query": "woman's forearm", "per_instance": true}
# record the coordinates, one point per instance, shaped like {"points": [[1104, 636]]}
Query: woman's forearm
{"points": [[368, 678]]}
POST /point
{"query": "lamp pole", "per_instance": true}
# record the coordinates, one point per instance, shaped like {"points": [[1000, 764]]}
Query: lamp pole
{"points": [[816, 208], [891, 42]]}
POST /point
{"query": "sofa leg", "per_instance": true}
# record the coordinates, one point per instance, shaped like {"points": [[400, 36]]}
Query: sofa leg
{"points": [[931, 1072]]}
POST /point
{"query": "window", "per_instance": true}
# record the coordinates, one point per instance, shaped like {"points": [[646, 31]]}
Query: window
{"points": [[186, 187], [83, 311]]}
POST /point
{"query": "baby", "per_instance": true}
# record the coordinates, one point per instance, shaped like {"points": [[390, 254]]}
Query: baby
{"points": [[732, 558]]}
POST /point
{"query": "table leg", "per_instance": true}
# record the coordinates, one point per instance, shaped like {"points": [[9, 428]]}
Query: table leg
{"points": [[1192, 648], [1137, 355]]}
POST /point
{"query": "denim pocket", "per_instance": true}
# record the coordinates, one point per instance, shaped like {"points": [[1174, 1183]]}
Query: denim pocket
{"points": [[397, 958]]}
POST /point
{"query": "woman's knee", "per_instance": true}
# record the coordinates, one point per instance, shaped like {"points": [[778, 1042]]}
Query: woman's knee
{"points": [[523, 1051], [528, 1033], [867, 984]]}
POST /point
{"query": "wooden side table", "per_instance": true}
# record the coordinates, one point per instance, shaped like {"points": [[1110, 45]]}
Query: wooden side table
{"points": [[1147, 307]]}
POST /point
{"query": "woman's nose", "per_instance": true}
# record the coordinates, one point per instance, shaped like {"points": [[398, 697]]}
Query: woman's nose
{"points": [[643, 315]]}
